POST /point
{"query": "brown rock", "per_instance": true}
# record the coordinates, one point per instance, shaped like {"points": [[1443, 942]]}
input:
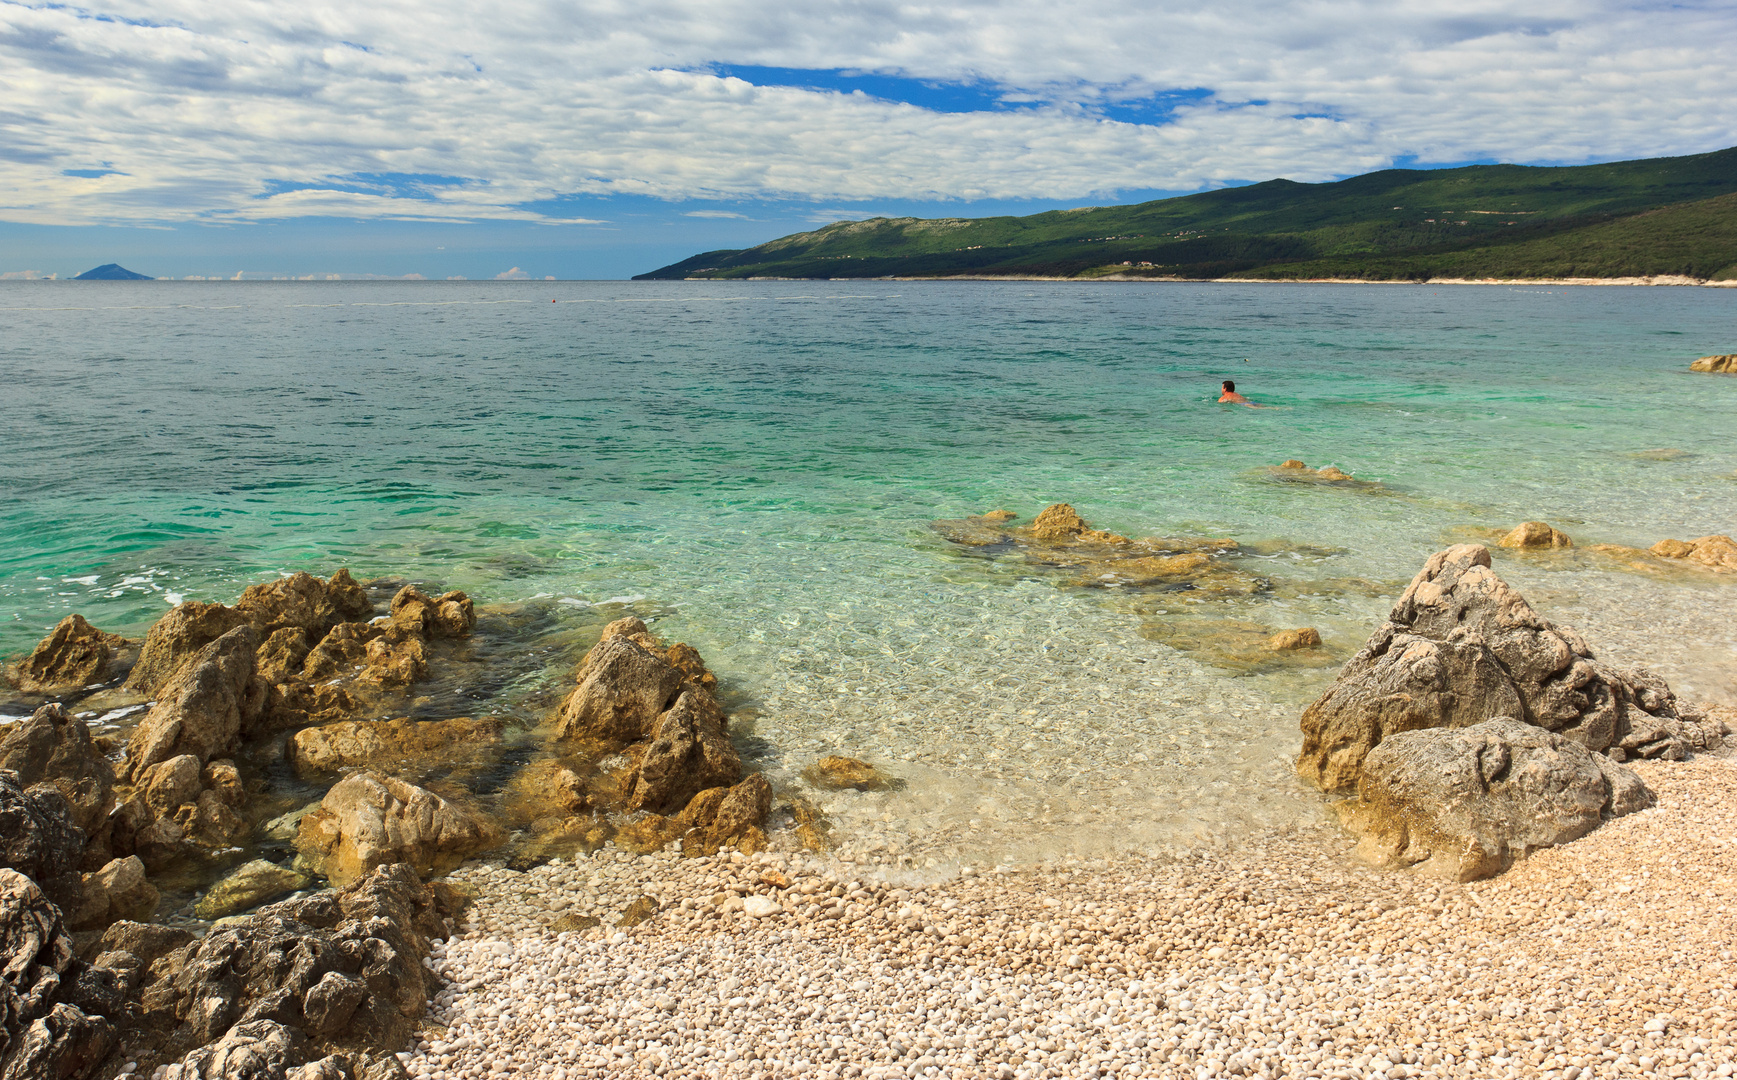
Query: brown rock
{"points": [[834, 773], [688, 661], [1535, 534], [1285, 640], [54, 748], [223, 780], [342, 651], [1716, 553], [395, 660], [281, 656], [304, 602], [689, 751], [1292, 463], [1724, 364], [623, 686], [368, 820], [387, 744], [168, 784], [201, 710], [649, 833], [176, 638], [1058, 522], [448, 615], [637, 912], [1332, 473], [117, 892], [998, 517], [73, 656]]}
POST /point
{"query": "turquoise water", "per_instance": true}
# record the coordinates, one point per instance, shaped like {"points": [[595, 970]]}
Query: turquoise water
{"points": [[754, 466]]}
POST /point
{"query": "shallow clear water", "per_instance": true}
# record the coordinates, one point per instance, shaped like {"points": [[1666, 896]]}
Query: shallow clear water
{"points": [[754, 465]]}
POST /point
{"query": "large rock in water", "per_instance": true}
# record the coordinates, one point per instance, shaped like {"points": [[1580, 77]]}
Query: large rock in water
{"points": [[176, 638], [75, 655], [1465, 803], [690, 751], [368, 820], [54, 748], [1716, 553], [202, 709], [1461, 647], [625, 683], [1723, 364], [304, 602]]}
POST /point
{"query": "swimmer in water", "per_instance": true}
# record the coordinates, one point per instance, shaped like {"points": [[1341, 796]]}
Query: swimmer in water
{"points": [[1232, 397]]}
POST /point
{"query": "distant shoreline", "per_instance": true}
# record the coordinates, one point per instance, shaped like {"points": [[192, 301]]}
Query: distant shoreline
{"points": [[1659, 280]]}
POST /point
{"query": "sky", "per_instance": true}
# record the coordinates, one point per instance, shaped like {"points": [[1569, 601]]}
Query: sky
{"points": [[604, 138]]}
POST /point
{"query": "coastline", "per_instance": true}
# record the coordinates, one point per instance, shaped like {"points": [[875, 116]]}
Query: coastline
{"points": [[1278, 957], [1658, 280]]}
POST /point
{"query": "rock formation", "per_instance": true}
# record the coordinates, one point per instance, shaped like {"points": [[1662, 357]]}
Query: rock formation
{"points": [[1293, 471], [46, 1029], [201, 708], [118, 891], [1715, 553], [56, 749], [176, 638], [1531, 535], [75, 655], [1461, 647], [390, 744], [1724, 364], [368, 820], [1465, 803], [39, 839]]}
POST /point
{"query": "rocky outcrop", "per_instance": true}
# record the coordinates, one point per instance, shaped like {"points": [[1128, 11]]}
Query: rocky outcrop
{"points": [[390, 745], [1062, 522], [39, 839], [304, 602], [1715, 553], [178, 637], [1461, 647], [200, 711], [1466, 803], [119, 891], [368, 820], [75, 655], [733, 815], [689, 752], [42, 1032], [626, 682], [1535, 535], [835, 773], [55, 748], [333, 972], [1724, 364]]}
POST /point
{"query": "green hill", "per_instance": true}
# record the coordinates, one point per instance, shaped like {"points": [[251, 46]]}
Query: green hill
{"points": [[1623, 219]]}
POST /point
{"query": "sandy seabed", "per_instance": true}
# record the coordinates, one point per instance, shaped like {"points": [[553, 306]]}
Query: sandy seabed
{"points": [[1611, 956]]}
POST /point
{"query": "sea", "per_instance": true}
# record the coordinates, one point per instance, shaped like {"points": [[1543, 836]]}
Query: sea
{"points": [[755, 468]]}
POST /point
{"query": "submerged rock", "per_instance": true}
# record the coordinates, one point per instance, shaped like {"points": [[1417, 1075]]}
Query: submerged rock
{"points": [[1715, 553], [1723, 364], [834, 773], [1289, 640], [1466, 803], [1293, 471], [1461, 647], [75, 655], [384, 744], [368, 820], [248, 886], [1532, 535]]}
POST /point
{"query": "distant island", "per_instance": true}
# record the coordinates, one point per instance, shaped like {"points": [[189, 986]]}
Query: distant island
{"points": [[1661, 217], [112, 272]]}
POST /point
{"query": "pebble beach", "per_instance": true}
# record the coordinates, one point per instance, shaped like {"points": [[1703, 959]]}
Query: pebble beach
{"points": [[1276, 956]]}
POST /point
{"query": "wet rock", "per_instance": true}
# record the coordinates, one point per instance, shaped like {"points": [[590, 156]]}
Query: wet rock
{"points": [[201, 710], [277, 966], [834, 773], [119, 891], [1461, 647], [1000, 517], [39, 839], [1724, 364], [689, 751], [648, 833], [75, 655], [448, 615], [637, 912], [1062, 523], [282, 654], [813, 831], [176, 638], [389, 744], [54, 748], [575, 923], [342, 651], [625, 683], [304, 602], [1293, 471], [1466, 803], [248, 886], [1534, 535], [728, 816], [1287, 640], [1715, 553], [368, 820], [168, 784]]}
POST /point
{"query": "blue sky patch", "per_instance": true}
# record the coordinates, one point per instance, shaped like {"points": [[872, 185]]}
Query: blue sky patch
{"points": [[388, 185], [92, 174]]}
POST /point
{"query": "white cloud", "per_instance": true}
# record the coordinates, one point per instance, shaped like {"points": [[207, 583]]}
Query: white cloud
{"points": [[254, 111], [515, 274], [25, 275]]}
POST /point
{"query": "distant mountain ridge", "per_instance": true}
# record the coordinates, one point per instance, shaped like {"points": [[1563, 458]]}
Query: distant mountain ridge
{"points": [[1646, 218], [112, 272]]}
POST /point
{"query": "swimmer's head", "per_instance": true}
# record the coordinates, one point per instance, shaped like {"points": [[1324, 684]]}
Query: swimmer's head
{"points": [[1230, 386]]}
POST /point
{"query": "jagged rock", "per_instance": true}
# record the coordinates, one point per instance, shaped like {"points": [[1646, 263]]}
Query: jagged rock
{"points": [[39, 839], [1461, 647], [223, 780], [73, 656], [304, 602], [167, 784], [834, 773], [276, 965], [369, 820], [253, 1050], [343, 650], [176, 638], [1725, 364], [54, 748], [447, 615], [1287, 640], [119, 891], [384, 744], [1062, 523], [1465, 803], [1532, 535], [42, 1034], [624, 684], [1715, 553], [282, 654], [248, 886], [201, 710], [66, 1044], [734, 815], [690, 750]]}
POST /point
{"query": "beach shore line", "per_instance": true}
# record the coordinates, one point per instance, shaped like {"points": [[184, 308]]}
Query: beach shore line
{"points": [[1608, 957], [1659, 280]]}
